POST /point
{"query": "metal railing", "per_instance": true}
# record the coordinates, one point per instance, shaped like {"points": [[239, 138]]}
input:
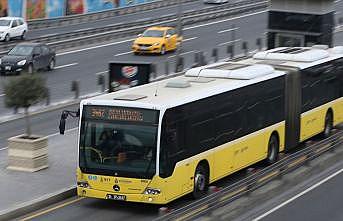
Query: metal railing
{"points": [[254, 181], [82, 18]]}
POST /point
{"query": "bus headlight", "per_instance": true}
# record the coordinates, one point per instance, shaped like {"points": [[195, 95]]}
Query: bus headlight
{"points": [[83, 184], [152, 191]]}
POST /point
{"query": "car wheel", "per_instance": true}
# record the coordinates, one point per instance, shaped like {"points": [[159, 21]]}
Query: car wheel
{"points": [[23, 36], [7, 38], [163, 50], [30, 69], [51, 65]]}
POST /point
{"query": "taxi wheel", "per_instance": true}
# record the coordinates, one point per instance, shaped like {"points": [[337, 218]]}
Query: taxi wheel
{"points": [[163, 50]]}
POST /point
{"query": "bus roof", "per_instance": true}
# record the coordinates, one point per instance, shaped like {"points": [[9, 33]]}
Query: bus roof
{"points": [[196, 84], [298, 57]]}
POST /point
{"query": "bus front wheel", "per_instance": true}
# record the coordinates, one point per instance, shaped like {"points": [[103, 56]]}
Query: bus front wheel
{"points": [[273, 150], [200, 182]]}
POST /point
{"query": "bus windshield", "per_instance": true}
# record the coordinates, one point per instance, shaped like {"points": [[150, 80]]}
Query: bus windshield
{"points": [[122, 148]]}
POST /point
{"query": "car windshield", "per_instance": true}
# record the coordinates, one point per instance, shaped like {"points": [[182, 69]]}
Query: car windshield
{"points": [[5, 22], [110, 147], [21, 50], [153, 33]]}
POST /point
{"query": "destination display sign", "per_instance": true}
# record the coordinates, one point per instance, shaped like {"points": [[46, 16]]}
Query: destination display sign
{"points": [[120, 114]]}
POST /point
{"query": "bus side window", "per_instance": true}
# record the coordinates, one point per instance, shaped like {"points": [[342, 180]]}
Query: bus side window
{"points": [[173, 147]]}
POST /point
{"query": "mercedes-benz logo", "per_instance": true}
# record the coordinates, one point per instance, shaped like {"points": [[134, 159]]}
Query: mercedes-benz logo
{"points": [[116, 188]]}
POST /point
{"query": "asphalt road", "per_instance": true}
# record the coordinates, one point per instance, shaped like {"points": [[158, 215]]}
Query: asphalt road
{"points": [[84, 64], [322, 203]]}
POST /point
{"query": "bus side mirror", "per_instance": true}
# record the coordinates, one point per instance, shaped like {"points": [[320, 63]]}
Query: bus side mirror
{"points": [[62, 125]]}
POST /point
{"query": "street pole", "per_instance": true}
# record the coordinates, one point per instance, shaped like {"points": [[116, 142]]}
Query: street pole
{"points": [[179, 32]]}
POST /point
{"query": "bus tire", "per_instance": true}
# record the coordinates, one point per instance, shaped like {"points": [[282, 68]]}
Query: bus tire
{"points": [[200, 181], [328, 125], [273, 150]]}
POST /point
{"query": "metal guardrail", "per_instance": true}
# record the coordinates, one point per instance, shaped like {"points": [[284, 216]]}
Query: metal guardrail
{"points": [[254, 181], [82, 18], [77, 38]]}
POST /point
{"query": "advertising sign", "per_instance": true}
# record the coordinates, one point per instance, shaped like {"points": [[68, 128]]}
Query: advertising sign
{"points": [[74, 7], [15, 8], [100, 5], [3, 8], [35, 9], [128, 74], [55, 8]]}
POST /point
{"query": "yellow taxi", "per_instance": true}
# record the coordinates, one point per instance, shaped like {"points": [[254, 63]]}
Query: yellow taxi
{"points": [[157, 40]]}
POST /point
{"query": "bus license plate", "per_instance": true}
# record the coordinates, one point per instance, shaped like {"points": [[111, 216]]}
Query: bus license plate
{"points": [[116, 197]]}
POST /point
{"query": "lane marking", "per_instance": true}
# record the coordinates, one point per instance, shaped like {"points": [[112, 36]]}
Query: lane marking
{"points": [[124, 53], [227, 30], [229, 42], [1, 95], [48, 35], [101, 72], [66, 65], [298, 195], [52, 209], [184, 53], [189, 39], [94, 47], [50, 135], [225, 20]]}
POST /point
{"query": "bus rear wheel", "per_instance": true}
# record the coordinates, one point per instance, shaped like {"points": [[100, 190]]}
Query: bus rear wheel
{"points": [[273, 150], [200, 182], [328, 125]]}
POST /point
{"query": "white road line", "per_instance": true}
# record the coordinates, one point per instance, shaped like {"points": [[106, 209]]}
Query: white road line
{"points": [[227, 30], [66, 65], [48, 35], [124, 53], [1, 95], [109, 25], [298, 195], [225, 20], [229, 42], [48, 136], [101, 72], [189, 39], [184, 53], [94, 47]]}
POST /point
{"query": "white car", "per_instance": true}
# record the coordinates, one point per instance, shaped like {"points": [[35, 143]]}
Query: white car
{"points": [[11, 27], [216, 1]]}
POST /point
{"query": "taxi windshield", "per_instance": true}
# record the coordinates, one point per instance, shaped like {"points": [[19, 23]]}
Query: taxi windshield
{"points": [[153, 33]]}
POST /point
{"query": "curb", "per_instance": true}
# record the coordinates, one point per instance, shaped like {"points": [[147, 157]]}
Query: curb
{"points": [[36, 204]]}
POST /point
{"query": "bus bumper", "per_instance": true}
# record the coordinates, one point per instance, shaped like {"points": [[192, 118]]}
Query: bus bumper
{"points": [[140, 198]]}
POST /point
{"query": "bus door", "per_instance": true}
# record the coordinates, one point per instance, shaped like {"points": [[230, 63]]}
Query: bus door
{"points": [[174, 165]]}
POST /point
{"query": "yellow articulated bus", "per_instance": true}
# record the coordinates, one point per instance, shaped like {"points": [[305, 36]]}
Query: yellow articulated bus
{"points": [[157, 142]]}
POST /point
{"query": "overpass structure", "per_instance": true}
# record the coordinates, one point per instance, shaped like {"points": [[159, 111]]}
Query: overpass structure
{"points": [[300, 23]]}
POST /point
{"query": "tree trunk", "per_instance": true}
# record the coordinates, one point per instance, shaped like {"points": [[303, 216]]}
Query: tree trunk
{"points": [[27, 120]]}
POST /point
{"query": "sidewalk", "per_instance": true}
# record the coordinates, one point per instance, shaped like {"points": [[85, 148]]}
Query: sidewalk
{"points": [[21, 188]]}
